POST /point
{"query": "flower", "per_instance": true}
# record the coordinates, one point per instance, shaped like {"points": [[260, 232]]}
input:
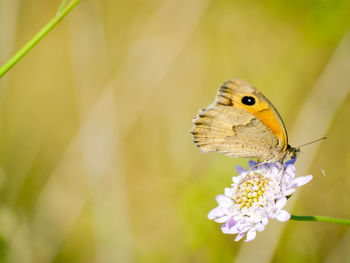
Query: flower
{"points": [[256, 195]]}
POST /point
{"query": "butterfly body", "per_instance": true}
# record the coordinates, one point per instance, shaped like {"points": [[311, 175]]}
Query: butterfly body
{"points": [[242, 122]]}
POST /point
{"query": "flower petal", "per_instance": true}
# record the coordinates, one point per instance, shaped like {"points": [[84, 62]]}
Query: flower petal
{"points": [[290, 171], [281, 202], [231, 223], [224, 201], [250, 235], [276, 170], [265, 220], [226, 230], [289, 191], [216, 212], [229, 192], [252, 163], [239, 169], [239, 236], [291, 161], [222, 219], [283, 216], [302, 180], [260, 227]]}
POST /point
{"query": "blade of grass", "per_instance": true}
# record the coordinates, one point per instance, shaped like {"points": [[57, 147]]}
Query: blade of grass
{"points": [[35, 40], [62, 5]]}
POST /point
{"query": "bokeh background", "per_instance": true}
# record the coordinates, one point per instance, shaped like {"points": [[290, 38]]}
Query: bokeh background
{"points": [[96, 158]]}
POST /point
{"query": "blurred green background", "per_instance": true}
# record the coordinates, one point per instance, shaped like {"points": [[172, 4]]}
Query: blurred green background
{"points": [[96, 159]]}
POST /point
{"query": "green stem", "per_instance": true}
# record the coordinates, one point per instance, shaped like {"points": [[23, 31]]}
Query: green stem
{"points": [[321, 219], [35, 40], [62, 5]]}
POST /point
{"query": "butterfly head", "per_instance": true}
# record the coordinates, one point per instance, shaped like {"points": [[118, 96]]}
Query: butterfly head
{"points": [[292, 152]]}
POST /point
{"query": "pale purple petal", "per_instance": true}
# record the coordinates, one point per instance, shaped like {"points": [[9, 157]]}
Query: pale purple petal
{"points": [[260, 227], [283, 187], [302, 180], [222, 219], [239, 169], [226, 230], [290, 171], [265, 220], [239, 236], [235, 180], [243, 228], [231, 223], [283, 216], [216, 212], [276, 170], [252, 163], [224, 201], [281, 202], [229, 192], [250, 235], [291, 161], [289, 191]]}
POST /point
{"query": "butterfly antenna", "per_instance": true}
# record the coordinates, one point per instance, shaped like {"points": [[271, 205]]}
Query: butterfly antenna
{"points": [[320, 139]]}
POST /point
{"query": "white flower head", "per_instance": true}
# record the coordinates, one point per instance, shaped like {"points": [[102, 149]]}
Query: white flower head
{"points": [[256, 195]]}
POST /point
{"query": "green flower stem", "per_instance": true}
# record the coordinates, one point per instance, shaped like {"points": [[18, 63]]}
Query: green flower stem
{"points": [[321, 219], [35, 40]]}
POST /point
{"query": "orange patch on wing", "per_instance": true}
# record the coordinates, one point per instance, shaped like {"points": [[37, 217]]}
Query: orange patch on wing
{"points": [[263, 112], [271, 120]]}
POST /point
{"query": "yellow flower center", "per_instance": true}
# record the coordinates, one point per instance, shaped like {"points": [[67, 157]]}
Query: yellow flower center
{"points": [[251, 190]]}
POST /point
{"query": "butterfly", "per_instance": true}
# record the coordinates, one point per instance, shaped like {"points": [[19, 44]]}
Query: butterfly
{"points": [[242, 122]]}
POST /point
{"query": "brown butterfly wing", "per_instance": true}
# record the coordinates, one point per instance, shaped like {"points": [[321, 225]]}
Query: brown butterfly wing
{"points": [[228, 128], [234, 132]]}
